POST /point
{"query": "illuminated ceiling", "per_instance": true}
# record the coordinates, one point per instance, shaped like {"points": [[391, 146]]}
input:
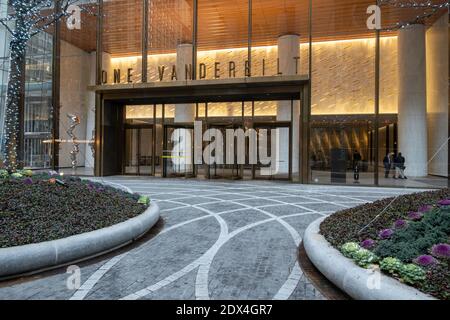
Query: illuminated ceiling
{"points": [[223, 23]]}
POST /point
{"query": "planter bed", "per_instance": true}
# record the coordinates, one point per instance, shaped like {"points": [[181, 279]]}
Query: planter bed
{"points": [[48, 221], [36, 209], [407, 237]]}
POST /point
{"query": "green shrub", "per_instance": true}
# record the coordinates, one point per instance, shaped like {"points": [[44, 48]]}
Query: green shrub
{"points": [[16, 175], [26, 173], [349, 249], [4, 174], [412, 274], [144, 200], [391, 265], [417, 237], [364, 258]]}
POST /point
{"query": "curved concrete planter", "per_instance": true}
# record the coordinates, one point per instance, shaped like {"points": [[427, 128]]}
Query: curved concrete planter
{"points": [[359, 283], [50, 254]]}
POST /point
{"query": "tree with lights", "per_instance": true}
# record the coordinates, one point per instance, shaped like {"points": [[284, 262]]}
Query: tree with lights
{"points": [[25, 19]]}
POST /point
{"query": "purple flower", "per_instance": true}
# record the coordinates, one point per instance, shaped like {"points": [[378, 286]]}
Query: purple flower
{"points": [[90, 186], [425, 208], [415, 215], [425, 260], [100, 189], [399, 224], [386, 233], [441, 250], [445, 202], [28, 181], [367, 244]]}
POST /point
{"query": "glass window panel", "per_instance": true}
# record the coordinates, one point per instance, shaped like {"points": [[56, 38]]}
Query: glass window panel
{"points": [[77, 73], [343, 94]]}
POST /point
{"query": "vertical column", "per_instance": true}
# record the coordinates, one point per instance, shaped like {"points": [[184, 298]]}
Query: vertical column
{"points": [[412, 122], [289, 61], [184, 113]]}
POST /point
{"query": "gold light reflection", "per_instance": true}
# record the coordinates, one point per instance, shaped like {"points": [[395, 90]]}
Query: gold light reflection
{"points": [[342, 77], [139, 112]]}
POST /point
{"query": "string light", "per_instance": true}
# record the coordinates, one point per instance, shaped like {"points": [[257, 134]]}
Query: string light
{"points": [[429, 9], [28, 18]]}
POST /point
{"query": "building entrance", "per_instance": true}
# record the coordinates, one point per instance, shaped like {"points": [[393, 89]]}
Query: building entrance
{"points": [[245, 139]]}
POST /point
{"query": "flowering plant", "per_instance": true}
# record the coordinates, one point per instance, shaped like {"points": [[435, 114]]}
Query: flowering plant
{"points": [[367, 244], [425, 260], [399, 224], [415, 215], [425, 208], [441, 250], [445, 202], [385, 233]]}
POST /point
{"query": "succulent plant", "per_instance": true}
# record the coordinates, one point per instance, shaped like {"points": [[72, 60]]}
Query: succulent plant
{"points": [[385, 233], [16, 175], [441, 250], [367, 244], [412, 274], [400, 224], [26, 173], [364, 258], [3, 174], [391, 265], [348, 249], [144, 200], [445, 202], [425, 260], [415, 216], [425, 208]]}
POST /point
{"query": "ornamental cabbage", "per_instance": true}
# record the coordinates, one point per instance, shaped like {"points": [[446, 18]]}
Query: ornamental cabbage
{"points": [[364, 258], [410, 273], [390, 265], [350, 248]]}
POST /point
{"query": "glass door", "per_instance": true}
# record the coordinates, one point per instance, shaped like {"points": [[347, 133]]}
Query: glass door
{"points": [[178, 151], [274, 151], [138, 151], [229, 149]]}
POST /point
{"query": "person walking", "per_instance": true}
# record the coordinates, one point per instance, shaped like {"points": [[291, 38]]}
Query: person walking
{"points": [[399, 164], [356, 160], [387, 163]]}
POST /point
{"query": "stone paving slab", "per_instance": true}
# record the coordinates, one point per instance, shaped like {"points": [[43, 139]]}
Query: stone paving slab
{"points": [[219, 240]]}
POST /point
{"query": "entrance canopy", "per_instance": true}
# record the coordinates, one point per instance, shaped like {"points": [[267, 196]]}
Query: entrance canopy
{"points": [[263, 88]]}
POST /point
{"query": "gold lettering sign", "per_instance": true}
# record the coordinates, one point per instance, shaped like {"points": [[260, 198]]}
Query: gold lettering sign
{"points": [[217, 69]]}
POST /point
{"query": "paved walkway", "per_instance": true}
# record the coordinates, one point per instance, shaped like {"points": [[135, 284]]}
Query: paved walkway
{"points": [[219, 240]]}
